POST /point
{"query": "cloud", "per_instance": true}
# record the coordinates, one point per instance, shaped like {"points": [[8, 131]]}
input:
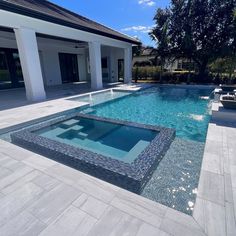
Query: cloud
{"points": [[149, 3], [139, 28]]}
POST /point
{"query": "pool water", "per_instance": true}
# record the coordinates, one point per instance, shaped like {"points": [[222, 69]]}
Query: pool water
{"points": [[117, 141], [174, 183], [185, 110], [100, 97]]}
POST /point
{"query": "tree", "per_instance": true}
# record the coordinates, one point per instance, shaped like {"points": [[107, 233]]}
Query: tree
{"points": [[160, 34], [196, 29], [232, 47], [136, 50]]}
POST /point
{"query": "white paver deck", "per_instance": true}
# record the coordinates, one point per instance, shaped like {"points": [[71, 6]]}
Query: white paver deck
{"points": [[39, 196]]}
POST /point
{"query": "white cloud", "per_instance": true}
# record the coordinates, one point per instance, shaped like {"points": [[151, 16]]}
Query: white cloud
{"points": [[139, 28], [149, 3]]}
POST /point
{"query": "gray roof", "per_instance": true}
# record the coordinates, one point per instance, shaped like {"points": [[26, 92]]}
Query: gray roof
{"points": [[45, 10]]}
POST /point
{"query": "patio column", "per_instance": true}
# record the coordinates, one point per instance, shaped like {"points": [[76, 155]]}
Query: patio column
{"points": [[95, 65], [128, 64], [30, 63]]}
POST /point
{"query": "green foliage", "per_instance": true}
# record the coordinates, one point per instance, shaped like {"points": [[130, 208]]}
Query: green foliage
{"points": [[200, 30], [136, 50], [146, 72], [223, 68]]}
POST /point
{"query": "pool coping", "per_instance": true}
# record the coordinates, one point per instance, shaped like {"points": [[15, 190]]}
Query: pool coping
{"points": [[131, 176]]}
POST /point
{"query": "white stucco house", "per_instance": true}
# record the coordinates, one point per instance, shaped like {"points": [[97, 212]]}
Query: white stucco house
{"points": [[42, 44]]}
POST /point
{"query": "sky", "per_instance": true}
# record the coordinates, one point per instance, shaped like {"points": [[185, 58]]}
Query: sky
{"points": [[131, 17]]}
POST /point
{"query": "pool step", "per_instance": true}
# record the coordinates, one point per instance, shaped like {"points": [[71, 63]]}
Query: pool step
{"points": [[82, 135], [88, 110], [136, 150], [70, 122], [77, 127]]}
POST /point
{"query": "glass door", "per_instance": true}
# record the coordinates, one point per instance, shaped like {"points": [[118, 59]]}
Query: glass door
{"points": [[5, 78], [69, 67], [18, 71], [10, 69]]}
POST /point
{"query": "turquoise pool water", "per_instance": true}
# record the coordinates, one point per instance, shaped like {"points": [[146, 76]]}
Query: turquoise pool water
{"points": [[119, 142], [101, 97], [186, 110], [174, 183]]}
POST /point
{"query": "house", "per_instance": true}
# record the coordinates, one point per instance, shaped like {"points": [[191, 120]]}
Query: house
{"points": [[147, 57], [43, 44]]}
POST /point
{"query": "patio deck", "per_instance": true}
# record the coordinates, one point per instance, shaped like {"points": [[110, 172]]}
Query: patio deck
{"points": [[39, 196], [15, 109], [12, 98]]}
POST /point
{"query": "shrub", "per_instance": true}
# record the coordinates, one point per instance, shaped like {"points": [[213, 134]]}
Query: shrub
{"points": [[175, 77]]}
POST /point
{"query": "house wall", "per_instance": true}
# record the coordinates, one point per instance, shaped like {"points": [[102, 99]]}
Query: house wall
{"points": [[142, 58], [113, 55], [83, 75], [171, 65], [50, 50], [49, 57], [51, 67]]}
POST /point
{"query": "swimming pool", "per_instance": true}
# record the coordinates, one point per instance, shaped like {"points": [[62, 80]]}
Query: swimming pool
{"points": [[187, 109]]}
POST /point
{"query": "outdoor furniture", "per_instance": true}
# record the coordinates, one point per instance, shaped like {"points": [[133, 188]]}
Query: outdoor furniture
{"points": [[228, 101], [228, 88], [224, 90]]}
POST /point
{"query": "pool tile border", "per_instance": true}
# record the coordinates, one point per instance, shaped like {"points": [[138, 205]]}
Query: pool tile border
{"points": [[132, 176]]}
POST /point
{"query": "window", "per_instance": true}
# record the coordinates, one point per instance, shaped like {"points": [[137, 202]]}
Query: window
{"points": [[10, 69]]}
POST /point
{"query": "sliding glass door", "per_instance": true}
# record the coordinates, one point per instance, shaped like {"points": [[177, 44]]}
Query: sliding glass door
{"points": [[69, 67], [10, 69]]}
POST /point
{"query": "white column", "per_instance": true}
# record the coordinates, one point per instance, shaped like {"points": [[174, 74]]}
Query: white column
{"points": [[128, 65], [95, 65], [30, 63]]}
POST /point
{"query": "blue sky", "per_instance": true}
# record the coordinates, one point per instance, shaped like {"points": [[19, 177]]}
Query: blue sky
{"points": [[132, 17]]}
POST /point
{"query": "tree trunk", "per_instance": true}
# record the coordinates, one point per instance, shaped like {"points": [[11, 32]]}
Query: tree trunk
{"points": [[232, 67], [189, 71], [161, 71], [202, 67]]}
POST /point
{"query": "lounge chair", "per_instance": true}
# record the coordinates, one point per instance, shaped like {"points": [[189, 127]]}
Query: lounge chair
{"points": [[229, 101], [228, 89]]}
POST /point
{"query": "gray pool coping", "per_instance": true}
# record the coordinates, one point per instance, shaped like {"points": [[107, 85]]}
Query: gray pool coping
{"points": [[131, 176]]}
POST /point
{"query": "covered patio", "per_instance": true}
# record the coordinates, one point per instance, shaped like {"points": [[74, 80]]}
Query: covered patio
{"points": [[43, 46], [13, 98]]}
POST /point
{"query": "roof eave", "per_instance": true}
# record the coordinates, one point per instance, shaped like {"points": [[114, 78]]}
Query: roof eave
{"points": [[30, 13]]}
